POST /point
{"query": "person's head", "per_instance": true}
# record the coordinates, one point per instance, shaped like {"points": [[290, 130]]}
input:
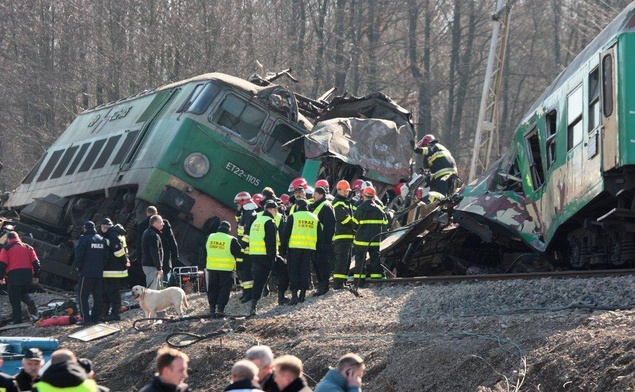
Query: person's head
{"points": [[369, 193], [12, 235], [262, 357], [319, 193], [89, 227], [172, 365], [301, 205], [286, 369], [32, 362], [152, 210], [157, 222], [343, 187], [88, 367], [271, 207], [268, 193], [244, 370], [63, 355], [299, 193], [224, 227], [351, 364], [105, 224]]}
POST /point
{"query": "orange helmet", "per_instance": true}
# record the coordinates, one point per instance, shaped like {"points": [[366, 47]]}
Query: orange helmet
{"points": [[242, 198], [357, 184], [370, 191], [426, 140], [298, 183], [323, 183], [343, 185], [257, 199], [285, 199]]}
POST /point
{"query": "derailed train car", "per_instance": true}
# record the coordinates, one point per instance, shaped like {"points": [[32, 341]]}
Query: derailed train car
{"points": [[188, 147], [564, 193]]}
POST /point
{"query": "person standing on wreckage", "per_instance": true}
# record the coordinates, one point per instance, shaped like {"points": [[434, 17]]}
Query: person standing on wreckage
{"points": [[22, 267], [222, 251]]}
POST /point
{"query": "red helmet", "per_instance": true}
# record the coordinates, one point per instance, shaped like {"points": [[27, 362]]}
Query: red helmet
{"points": [[370, 191], [242, 198], [298, 183], [285, 199], [257, 199], [323, 183], [344, 185], [426, 140], [357, 184], [397, 188]]}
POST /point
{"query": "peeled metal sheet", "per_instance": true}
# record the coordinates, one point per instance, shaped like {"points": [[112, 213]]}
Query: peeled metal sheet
{"points": [[95, 332]]}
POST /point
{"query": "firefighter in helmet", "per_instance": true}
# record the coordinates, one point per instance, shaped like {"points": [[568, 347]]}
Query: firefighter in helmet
{"points": [[441, 164]]}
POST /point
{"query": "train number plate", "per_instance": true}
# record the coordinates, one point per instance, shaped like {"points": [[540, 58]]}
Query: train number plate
{"points": [[242, 174]]}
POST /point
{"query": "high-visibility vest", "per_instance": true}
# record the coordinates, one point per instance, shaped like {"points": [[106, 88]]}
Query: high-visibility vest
{"points": [[257, 236], [319, 208], [86, 386], [304, 230], [219, 255]]}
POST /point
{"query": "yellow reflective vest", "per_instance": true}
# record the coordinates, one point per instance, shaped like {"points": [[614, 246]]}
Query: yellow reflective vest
{"points": [[86, 386], [304, 230], [257, 245], [219, 255]]}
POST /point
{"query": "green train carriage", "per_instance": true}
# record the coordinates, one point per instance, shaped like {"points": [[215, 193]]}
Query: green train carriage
{"points": [[567, 183], [187, 147]]}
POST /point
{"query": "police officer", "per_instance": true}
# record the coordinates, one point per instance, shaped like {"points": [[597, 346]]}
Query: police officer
{"points": [[370, 222], [323, 209], [299, 242], [90, 257], [222, 251], [263, 250], [245, 216], [440, 162], [22, 267], [344, 233], [116, 268]]}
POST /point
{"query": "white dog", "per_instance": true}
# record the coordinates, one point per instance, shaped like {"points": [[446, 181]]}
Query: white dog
{"points": [[153, 301]]}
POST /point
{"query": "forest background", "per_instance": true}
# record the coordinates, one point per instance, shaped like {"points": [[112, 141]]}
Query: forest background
{"points": [[60, 57]]}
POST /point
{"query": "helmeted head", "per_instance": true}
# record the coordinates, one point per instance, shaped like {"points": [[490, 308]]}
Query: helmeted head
{"points": [[323, 183], [284, 198], [369, 192], [298, 183], [357, 185], [427, 139], [257, 199], [398, 187], [242, 198]]}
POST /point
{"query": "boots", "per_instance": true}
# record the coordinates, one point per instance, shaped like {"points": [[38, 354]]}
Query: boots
{"points": [[32, 308], [212, 310], [338, 284], [221, 311], [294, 298], [247, 297], [302, 295], [282, 300], [254, 307], [323, 289]]}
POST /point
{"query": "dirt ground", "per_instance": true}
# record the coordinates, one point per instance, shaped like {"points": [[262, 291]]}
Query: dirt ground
{"points": [[413, 338]]}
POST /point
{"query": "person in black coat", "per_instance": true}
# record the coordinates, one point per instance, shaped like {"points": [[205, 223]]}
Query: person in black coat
{"points": [[31, 365], [288, 374], [171, 372], [152, 252], [90, 258]]}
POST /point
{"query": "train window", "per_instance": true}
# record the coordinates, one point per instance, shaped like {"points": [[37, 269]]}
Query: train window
{"points": [[78, 159], [125, 147], [241, 117], [594, 100], [607, 85], [29, 177], [188, 102], [48, 168], [574, 118], [204, 99], [535, 159], [66, 159], [110, 147], [551, 127], [92, 155], [289, 154]]}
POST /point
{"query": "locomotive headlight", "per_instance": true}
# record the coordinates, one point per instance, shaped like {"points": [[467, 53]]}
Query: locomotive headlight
{"points": [[196, 165]]}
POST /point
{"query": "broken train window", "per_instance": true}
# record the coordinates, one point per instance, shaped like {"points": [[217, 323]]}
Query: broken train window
{"points": [[279, 146], [240, 116], [534, 158]]}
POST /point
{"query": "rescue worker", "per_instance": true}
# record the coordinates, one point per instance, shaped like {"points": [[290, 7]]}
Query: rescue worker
{"points": [[299, 187], [263, 250], [90, 258], [222, 251], [245, 216], [323, 259], [299, 243], [115, 269], [64, 373], [327, 187], [343, 236], [279, 270], [370, 222], [441, 164], [21, 267]]}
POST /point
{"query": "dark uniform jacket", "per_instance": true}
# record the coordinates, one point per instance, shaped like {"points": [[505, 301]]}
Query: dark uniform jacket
{"points": [[437, 159], [326, 216], [344, 227], [298, 385], [170, 247], [159, 386], [90, 255], [24, 380], [19, 261], [152, 246], [271, 240], [141, 228], [370, 220], [117, 252], [66, 375], [243, 385], [7, 383]]}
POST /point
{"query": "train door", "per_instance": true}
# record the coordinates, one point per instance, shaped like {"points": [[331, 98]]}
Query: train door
{"points": [[608, 74]]}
